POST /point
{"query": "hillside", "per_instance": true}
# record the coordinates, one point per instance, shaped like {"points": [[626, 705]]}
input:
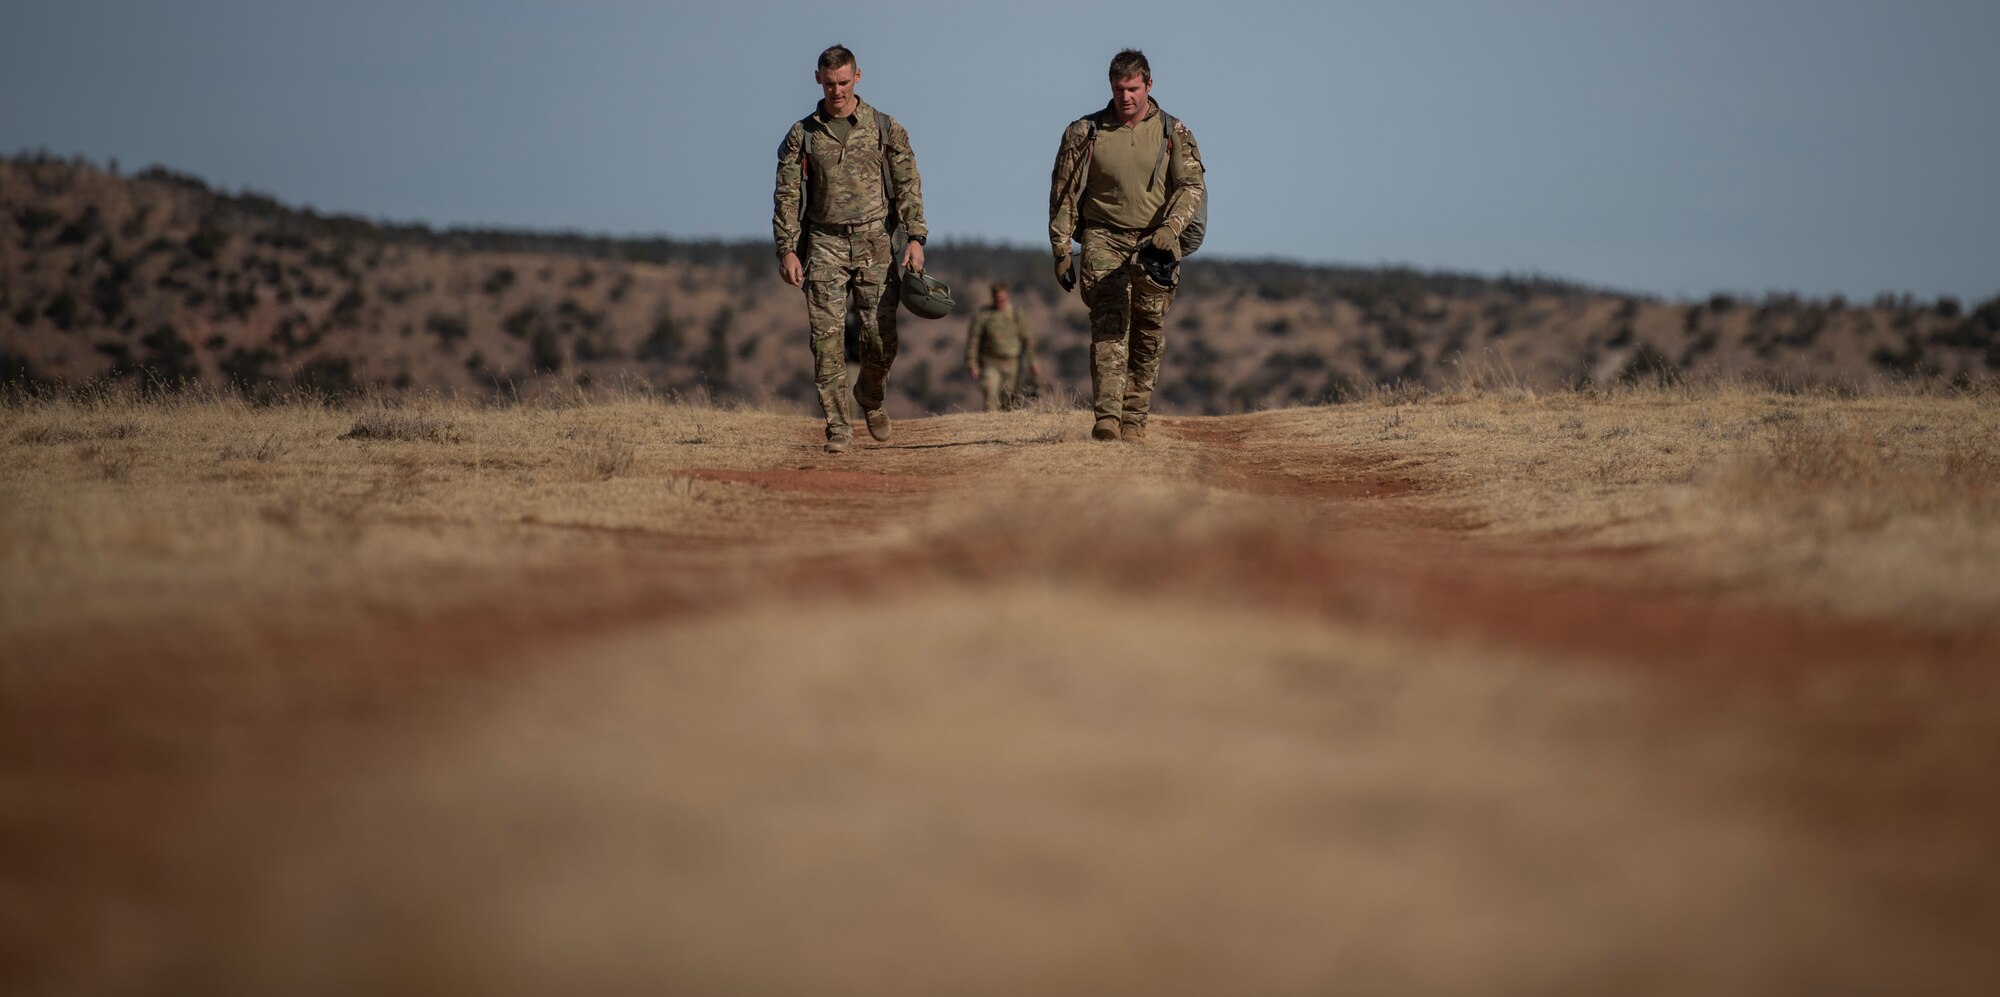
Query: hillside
{"points": [[158, 277]]}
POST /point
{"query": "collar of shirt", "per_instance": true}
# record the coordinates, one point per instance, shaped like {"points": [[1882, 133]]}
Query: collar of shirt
{"points": [[1111, 114], [825, 118]]}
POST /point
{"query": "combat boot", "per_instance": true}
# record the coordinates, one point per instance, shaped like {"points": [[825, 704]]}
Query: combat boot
{"points": [[1132, 432], [839, 444], [878, 423], [1106, 429]]}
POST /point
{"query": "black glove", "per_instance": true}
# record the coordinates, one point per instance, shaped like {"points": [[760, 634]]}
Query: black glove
{"points": [[1065, 274]]}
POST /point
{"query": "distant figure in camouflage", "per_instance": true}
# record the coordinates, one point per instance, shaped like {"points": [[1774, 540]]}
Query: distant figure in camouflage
{"points": [[847, 182], [1124, 181], [997, 346]]}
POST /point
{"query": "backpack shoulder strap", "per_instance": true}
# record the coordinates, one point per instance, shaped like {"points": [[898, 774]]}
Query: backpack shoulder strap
{"points": [[804, 125], [1091, 123], [1167, 123], [883, 125]]}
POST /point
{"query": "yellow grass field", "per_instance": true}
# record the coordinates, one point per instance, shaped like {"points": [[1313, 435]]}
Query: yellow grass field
{"points": [[1676, 690]]}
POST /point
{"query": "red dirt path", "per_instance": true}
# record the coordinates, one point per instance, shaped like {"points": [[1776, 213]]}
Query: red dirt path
{"points": [[1403, 569]]}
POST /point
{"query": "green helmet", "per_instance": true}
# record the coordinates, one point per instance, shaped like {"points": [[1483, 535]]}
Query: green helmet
{"points": [[926, 296]]}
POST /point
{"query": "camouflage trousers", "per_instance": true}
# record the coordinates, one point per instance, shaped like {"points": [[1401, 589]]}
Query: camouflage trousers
{"points": [[843, 266], [999, 378], [1126, 327]]}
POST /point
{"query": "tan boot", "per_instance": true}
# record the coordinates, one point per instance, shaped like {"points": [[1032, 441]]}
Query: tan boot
{"points": [[878, 423], [839, 444], [1132, 432], [1106, 429]]}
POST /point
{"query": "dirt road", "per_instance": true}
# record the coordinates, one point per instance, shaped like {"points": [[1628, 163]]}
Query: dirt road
{"points": [[995, 710]]}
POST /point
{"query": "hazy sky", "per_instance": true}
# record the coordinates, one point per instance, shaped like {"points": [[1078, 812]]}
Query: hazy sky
{"points": [[1676, 147]]}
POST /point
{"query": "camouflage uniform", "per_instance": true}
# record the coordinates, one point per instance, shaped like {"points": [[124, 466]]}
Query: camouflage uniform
{"points": [[846, 244], [997, 346], [1126, 321]]}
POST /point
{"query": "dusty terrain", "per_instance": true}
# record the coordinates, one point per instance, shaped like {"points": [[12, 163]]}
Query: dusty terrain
{"points": [[1489, 692]]}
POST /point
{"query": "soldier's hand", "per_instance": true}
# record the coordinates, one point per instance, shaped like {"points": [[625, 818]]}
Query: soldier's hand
{"points": [[972, 369], [790, 269], [913, 257], [1164, 238], [1065, 274]]}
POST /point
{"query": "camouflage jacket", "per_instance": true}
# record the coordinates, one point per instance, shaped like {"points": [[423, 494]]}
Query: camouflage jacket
{"points": [[997, 334], [1187, 187], [841, 184]]}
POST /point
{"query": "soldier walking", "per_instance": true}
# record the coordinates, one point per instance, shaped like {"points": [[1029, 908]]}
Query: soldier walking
{"points": [[847, 182], [1127, 185], [997, 346]]}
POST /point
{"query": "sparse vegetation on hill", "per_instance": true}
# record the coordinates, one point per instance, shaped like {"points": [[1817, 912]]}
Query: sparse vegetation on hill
{"points": [[159, 279]]}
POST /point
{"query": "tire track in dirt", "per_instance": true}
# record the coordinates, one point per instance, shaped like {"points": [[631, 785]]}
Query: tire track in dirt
{"points": [[1397, 564], [1393, 563]]}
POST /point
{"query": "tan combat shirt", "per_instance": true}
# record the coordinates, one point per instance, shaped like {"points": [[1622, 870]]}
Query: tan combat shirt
{"points": [[1120, 192], [840, 182], [1114, 193]]}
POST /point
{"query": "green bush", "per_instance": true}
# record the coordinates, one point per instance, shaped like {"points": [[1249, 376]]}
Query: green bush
{"points": [[449, 329], [499, 280], [664, 342]]}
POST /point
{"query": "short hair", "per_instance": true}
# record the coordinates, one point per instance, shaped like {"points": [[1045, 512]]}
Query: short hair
{"points": [[837, 56], [999, 287], [1130, 63]]}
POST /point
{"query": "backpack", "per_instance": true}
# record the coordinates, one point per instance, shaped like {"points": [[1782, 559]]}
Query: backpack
{"points": [[883, 124], [1197, 227]]}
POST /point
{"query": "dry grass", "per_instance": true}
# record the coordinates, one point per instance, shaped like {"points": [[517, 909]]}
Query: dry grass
{"points": [[614, 692], [135, 510], [1886, 505]]}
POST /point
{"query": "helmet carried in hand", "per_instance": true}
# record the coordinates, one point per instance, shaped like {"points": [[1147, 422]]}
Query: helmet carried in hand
{"points": [[926, 296], [1159, 270]]}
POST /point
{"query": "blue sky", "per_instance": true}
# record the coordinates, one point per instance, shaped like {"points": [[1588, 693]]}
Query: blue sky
{"points": [[1676, 148]]}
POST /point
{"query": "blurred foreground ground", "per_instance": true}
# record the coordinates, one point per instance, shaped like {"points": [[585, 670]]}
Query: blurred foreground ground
{"points": [[1654, 691]]}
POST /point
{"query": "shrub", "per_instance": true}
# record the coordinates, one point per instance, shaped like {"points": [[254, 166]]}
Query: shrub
{"points": [[246, 368], [522, 321], [664, 342], [346, 312], [239, 301], [169, 358], [1648, 366], [499, 280], [449, 329], [329, 376], [17, 371], [574, 315], [120, 356], [595, 346], [33, 220], [107, 293], [82, 229], [408, 427], [206, 242], [62, 310], [545, 352]]}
